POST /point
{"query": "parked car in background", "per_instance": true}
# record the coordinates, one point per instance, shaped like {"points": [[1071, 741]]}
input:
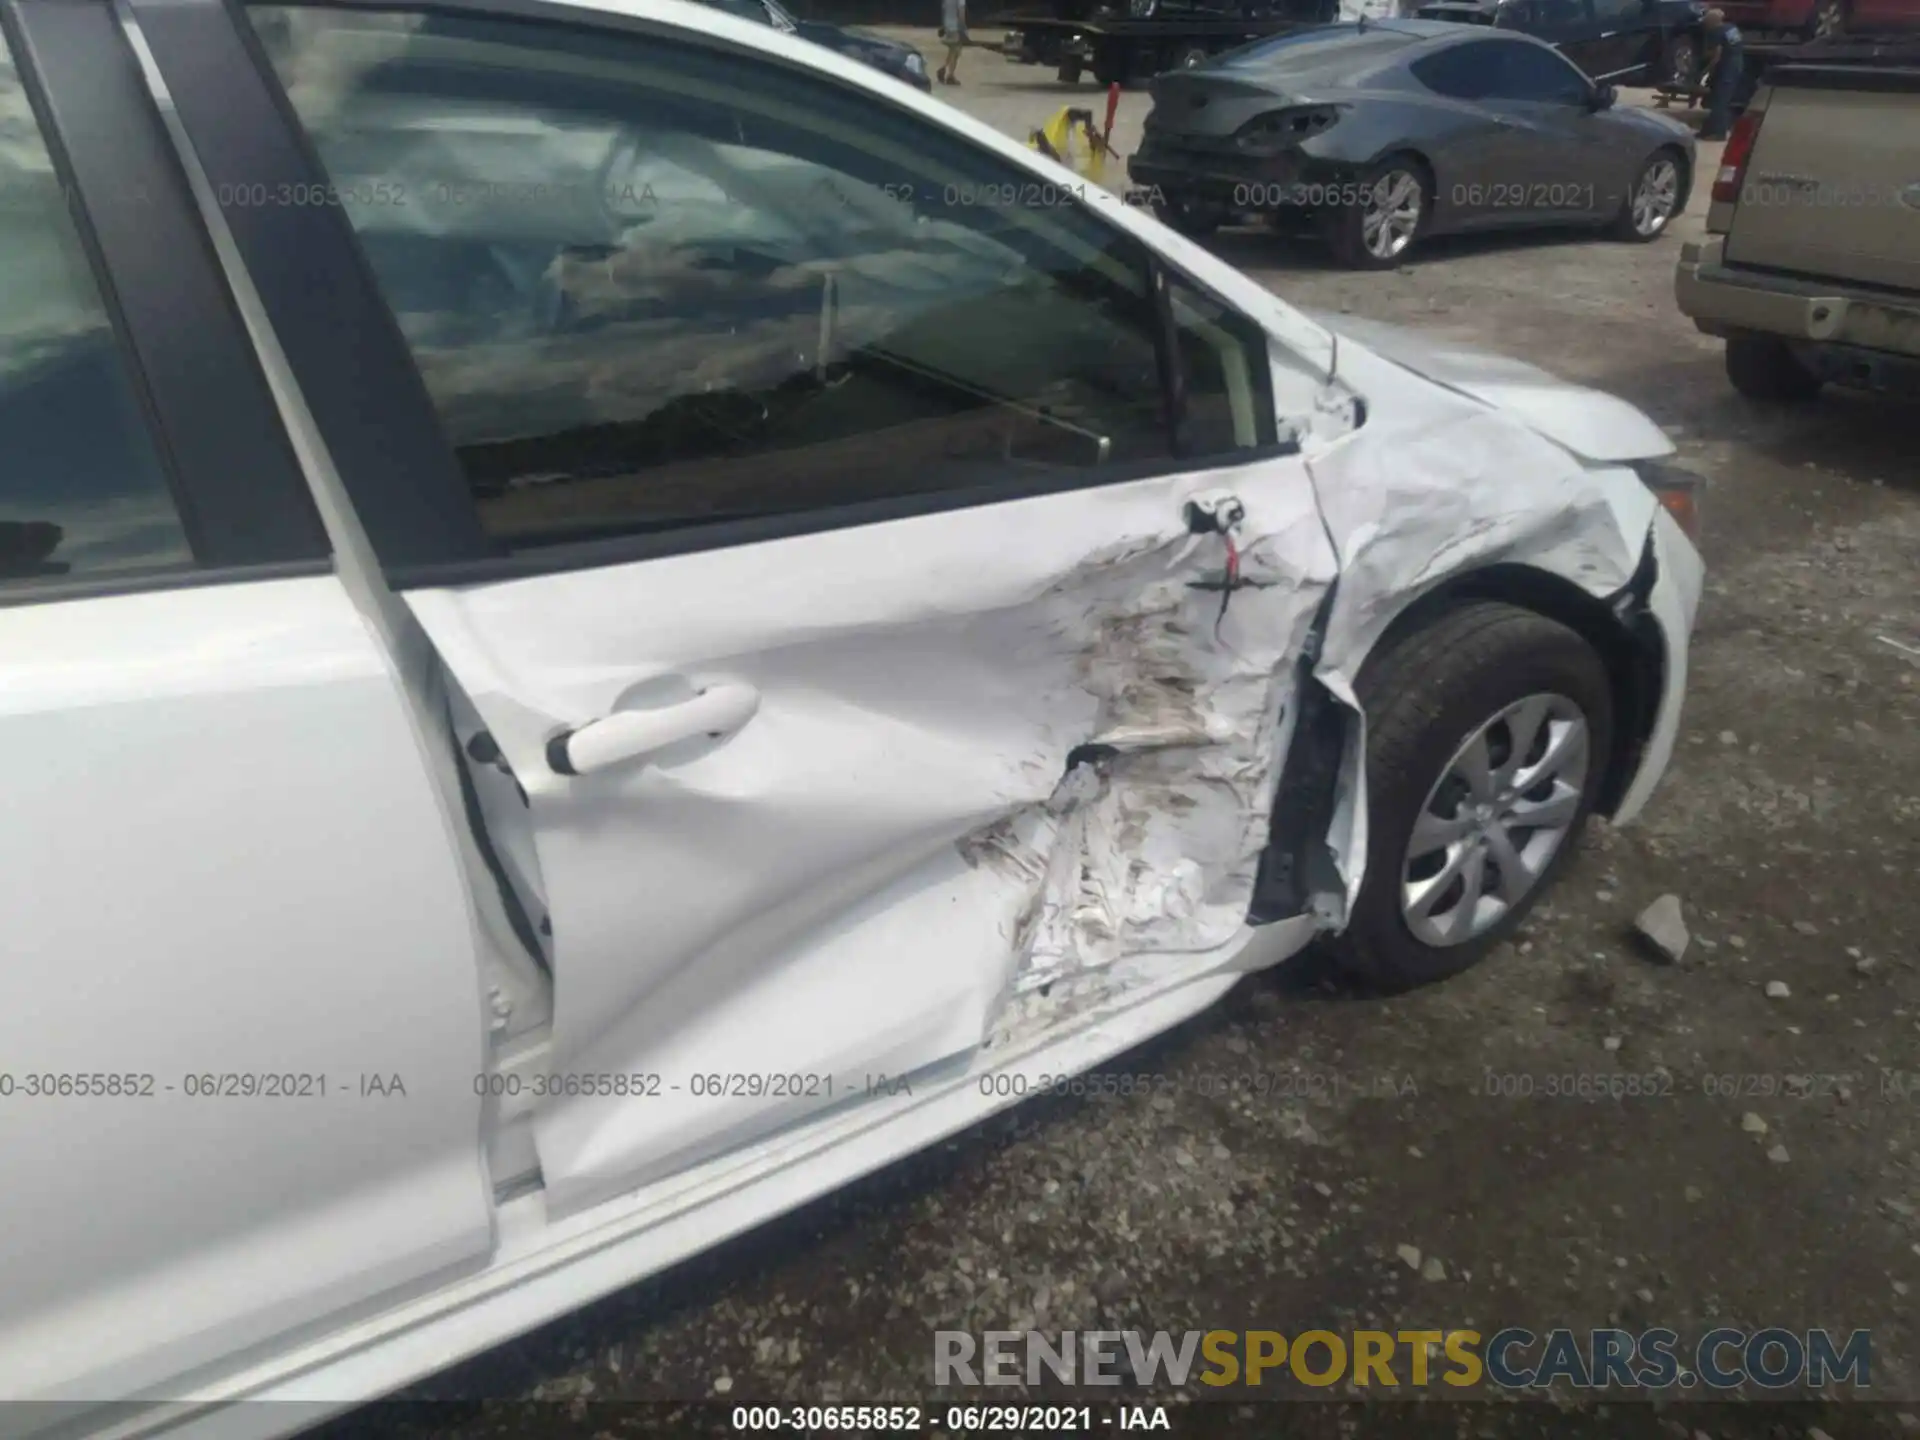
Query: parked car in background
{"points": [[619, 621], [1379, 135], [1811, 266], [1624, 42], [903, 62]]}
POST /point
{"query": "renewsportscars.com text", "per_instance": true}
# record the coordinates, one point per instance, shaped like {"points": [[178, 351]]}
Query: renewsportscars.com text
{"points": [[1723, 1358]]}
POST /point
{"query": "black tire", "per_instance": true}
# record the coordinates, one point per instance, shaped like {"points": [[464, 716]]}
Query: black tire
{"points": [[1068, 73], [1424, 697], [1346, 226], [1624, 227], [1764, 367], [1189, 56], [1195, 219]]}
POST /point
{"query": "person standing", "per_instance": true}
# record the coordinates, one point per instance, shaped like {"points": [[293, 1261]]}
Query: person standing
{"points": [[953, 31], [1726, 67]]}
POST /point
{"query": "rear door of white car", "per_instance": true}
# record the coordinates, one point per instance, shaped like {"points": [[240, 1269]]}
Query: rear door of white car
{"points": [[805, 494], [240, 1015]]}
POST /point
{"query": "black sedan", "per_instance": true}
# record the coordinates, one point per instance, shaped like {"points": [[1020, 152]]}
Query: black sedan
{"points": [[1627, 42], [903, 62], [1382, 133]]}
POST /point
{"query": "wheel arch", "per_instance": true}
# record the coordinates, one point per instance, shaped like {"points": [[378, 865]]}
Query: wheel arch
{"points": [[1688, 165], [1407, 150], [1620, 629], [1298, 862]]}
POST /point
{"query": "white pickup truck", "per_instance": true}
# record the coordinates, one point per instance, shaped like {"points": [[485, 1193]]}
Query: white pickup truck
{"points": [[1811, 266]]}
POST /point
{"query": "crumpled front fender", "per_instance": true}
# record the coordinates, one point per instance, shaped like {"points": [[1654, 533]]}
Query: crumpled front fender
{"points": [[1438, 485]]}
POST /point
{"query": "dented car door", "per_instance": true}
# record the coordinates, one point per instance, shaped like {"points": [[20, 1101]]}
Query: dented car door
{"points": [[900, 572]]}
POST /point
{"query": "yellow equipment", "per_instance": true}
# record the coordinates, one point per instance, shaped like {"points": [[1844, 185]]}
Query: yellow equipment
{"points": [[1070, 138]]}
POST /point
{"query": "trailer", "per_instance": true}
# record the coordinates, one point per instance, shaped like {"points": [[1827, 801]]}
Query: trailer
{"points": [[1130, 47]]}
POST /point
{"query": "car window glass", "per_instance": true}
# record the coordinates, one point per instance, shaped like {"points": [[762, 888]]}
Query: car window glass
{"points": [[1557, 19], [1614, 14], [82, 488], [649, 285], [1531, 72], [1223, 358], [1462, 72]]}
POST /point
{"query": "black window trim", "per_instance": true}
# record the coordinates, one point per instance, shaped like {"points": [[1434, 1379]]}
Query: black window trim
{"points": [[242, 501], [401, 470]]}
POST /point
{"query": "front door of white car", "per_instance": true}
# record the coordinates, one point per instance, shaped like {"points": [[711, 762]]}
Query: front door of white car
{"points": [[898, 568]]}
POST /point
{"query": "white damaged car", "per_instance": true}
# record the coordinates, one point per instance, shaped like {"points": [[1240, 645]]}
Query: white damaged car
{"points": [[612, 620]]}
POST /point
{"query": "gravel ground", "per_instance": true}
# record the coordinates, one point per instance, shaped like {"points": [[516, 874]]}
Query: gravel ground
{"points": [[1788, 826]]}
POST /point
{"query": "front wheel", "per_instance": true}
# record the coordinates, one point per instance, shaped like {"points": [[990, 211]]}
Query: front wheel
{"points": [[1379, 231], [1683, 64], [1653, 199], [1489, 732]]}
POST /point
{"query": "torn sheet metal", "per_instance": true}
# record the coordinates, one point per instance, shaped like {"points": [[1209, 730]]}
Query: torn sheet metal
{"points": [[1440, 484], [1149, 845]]}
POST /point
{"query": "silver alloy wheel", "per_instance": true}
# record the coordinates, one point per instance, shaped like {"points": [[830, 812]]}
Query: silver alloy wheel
{"points": [[1682, 62], [1390, 214], [1494, 820], [1656, 196]]}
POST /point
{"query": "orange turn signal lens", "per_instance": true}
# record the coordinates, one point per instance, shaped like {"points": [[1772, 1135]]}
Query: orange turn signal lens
{"points": [[1678, 492], [1684, 506]]}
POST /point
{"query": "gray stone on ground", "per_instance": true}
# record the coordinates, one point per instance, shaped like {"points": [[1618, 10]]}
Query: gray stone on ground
{"points": [[1663, 927]]}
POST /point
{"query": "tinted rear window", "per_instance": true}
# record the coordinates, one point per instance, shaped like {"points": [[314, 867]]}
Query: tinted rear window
{"points": [[1324, 47]]}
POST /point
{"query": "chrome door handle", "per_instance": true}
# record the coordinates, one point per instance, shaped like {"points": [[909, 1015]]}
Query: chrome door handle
{"points": [[633, 734]]}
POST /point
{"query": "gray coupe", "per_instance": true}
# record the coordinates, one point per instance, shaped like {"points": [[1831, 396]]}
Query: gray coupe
{"points": [[1381, 133]]}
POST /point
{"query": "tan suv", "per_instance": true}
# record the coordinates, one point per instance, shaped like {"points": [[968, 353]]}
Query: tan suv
{"points": [[1811, 265]]}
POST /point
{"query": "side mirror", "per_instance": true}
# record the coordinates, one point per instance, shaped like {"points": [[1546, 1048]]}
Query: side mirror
{"points": [[1605, 97]]}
